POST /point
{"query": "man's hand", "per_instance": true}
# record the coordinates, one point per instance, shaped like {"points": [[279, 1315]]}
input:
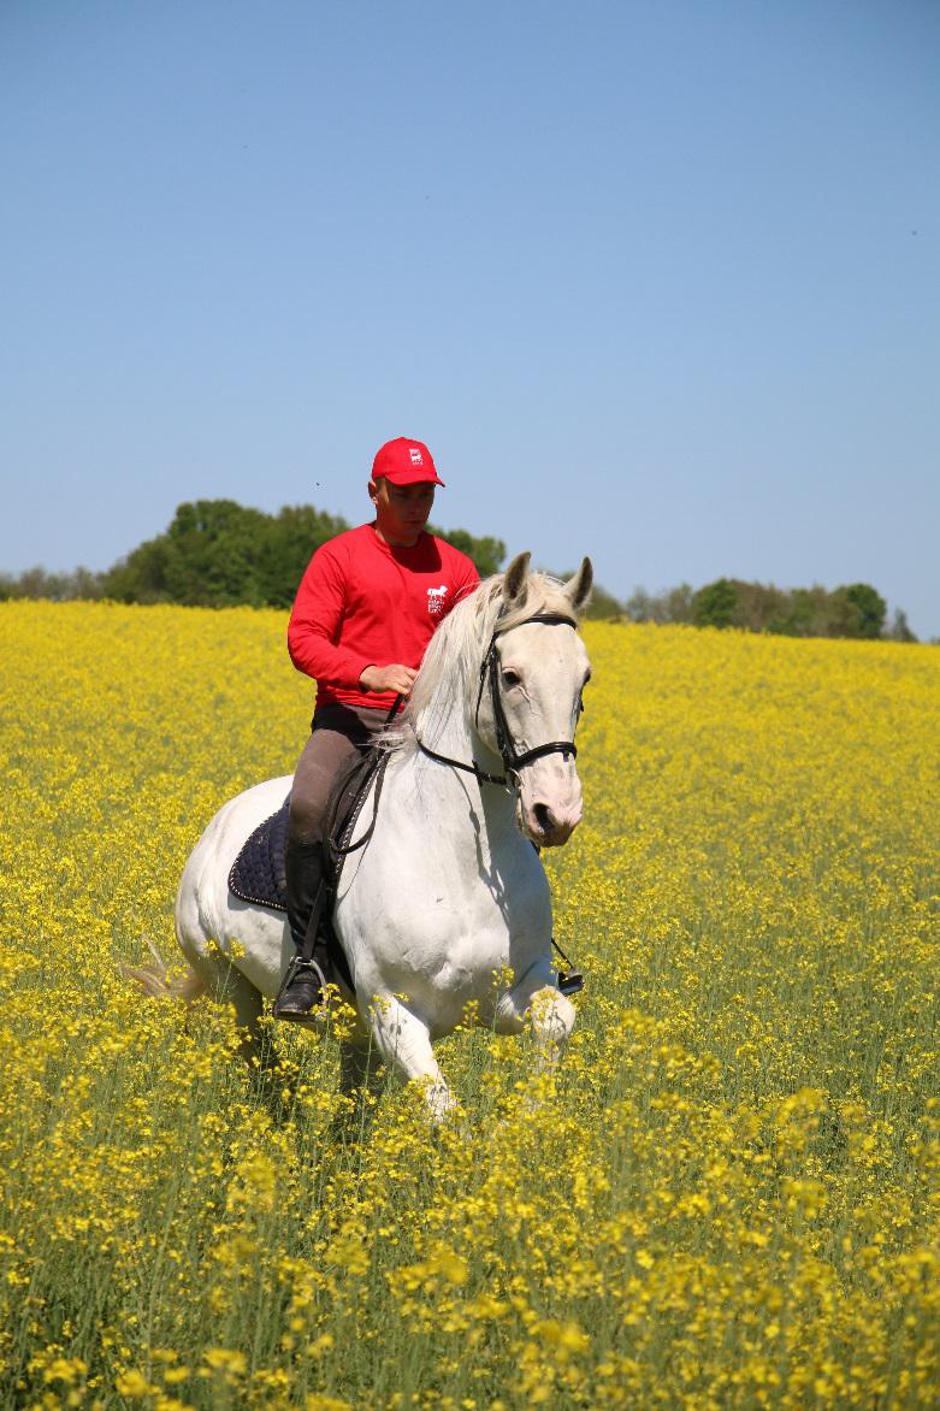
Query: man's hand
{"points": [[395, 678]]}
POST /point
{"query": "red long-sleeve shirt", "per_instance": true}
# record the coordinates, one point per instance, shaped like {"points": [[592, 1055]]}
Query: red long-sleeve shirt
{"points": [[363, 603]]}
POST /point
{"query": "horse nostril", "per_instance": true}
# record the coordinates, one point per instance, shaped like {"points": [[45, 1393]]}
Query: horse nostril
{"points": [[543, 817]]}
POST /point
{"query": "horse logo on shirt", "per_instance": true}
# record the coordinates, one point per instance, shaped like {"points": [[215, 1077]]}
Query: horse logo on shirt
{"points": [[436, 598]]}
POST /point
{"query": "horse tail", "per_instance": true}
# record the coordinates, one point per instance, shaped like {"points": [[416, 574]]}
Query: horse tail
{"points": [[156, 981]]}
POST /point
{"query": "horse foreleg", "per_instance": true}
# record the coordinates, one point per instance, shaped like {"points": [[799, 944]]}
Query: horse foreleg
{"points": [[402, 1040], [550, 1013]]}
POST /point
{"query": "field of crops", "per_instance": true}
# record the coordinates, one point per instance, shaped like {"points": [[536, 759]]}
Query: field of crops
{"points": [[728, 1196]]}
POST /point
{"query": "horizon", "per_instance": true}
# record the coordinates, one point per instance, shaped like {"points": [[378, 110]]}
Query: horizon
{"points": [[561, 572]]}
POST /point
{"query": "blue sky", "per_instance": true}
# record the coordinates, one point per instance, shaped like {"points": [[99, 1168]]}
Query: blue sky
{"points": [[656, 281]]}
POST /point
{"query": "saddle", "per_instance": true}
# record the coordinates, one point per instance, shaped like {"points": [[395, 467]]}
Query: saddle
{"points": [[258, 875]]}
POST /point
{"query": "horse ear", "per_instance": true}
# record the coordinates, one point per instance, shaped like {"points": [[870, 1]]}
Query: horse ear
{"points": [[515, 580], [578, 588]]}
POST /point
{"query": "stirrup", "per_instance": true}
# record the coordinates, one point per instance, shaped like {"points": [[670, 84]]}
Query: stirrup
{"points": [[569, 982], [315, 1012]]}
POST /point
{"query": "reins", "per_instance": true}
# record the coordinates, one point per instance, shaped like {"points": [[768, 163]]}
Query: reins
{"points": [[512, 760], [473, 769]]}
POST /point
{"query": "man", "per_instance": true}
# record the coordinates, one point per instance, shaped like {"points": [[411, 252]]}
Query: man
{"points": [[365, 610]]}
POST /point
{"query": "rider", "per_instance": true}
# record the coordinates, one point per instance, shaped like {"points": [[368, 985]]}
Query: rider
{"points": [[365, 610]]}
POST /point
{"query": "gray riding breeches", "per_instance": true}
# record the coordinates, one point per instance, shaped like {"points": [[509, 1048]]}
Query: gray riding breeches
{"points": [[339, 732]]}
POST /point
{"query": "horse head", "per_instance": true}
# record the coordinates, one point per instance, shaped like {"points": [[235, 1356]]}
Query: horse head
{"points": [[530, 696]]}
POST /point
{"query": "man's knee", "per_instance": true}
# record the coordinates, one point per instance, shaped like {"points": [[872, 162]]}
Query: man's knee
{"points": [[305, 825], [308, 799]]}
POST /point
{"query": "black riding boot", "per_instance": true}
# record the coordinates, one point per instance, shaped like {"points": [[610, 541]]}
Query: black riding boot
{"points": [[301, 994]]}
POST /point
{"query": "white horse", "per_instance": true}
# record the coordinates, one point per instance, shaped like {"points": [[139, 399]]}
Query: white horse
{"points": [[446, 911]]}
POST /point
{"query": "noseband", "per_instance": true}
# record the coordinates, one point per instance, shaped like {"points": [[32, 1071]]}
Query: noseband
{"points": [[512, 760]]}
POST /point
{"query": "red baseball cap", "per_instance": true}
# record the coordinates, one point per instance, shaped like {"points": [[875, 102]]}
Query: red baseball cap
{"points": [[405, 462]]}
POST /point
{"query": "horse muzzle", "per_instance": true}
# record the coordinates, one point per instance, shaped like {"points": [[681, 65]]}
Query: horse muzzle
{"points": [[548, 817]]}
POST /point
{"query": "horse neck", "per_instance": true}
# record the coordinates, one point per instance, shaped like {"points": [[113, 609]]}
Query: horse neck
{"points": [[450, 791], [445, 721], [446, 725]]}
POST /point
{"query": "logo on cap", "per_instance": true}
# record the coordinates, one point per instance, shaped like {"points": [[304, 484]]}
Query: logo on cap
{"points": [[416, 456]]}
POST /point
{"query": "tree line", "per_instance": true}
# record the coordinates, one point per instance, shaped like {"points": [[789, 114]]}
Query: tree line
{"points": [[852, 610], [218, 553]]}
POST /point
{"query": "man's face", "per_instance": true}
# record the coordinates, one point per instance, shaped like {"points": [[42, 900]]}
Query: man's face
{"points": [[401, 511]]}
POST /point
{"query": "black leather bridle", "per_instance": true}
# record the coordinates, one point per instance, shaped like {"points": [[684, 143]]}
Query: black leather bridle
{"points": [[512, 760]]}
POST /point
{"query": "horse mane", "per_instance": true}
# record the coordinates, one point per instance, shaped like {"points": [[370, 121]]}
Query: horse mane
{"points": [[451, 664]]}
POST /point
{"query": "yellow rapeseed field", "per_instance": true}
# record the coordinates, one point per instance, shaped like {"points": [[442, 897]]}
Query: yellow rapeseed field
{"points": [[728, 1195]]}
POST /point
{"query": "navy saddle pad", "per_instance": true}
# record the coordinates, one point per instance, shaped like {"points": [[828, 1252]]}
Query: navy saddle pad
{"points": [[257, 873]]}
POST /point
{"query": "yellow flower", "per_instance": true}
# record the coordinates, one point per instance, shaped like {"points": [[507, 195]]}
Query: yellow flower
{"points": [[133, 1385], [225, 1359]]}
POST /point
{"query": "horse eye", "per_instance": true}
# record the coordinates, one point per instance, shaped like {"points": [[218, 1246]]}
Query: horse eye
{"points": [[511, 678]]}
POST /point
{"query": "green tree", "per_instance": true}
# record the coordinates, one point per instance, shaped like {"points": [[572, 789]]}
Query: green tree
{"points": [[140, 577], [603, 604], [715, 604], [870, 609], [796, 614], [900, 630], [677, 603], [59, 587], [671, 605], [216, 553], [207, 557], [290, 540], [487, 553]]}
